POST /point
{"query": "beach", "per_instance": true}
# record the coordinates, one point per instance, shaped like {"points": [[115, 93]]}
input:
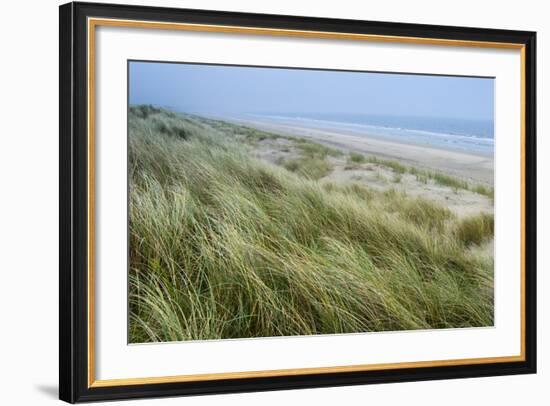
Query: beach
{"points": [[469, 165], [466, 169], [240, 232]]}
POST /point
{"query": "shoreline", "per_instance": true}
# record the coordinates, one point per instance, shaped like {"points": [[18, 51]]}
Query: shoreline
{"points": [[467, 165]]}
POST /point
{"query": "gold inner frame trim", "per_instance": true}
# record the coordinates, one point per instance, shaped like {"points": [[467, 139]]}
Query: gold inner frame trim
{"points": [[94, 22]]}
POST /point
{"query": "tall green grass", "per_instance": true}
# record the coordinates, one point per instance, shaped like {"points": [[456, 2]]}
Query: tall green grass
{"points": [[312, 167], [356, 157], [223, 245], [475, 229], [394, 165]]}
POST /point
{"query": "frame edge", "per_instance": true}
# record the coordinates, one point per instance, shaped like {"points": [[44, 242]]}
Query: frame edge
{"points": [[67, 387], [531, 202]]}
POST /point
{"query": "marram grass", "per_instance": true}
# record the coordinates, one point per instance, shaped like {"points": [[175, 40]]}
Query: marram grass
{"points": [[223, 245]]}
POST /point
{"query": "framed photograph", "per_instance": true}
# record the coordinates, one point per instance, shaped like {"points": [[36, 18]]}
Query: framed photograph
{"points": [[257, 202]]}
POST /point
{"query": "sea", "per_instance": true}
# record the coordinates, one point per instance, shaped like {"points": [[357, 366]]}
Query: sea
{"points": [[475, 136]]}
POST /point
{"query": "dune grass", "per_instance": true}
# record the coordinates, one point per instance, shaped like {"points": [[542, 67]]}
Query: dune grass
{"points": [[313, 167], [312, 162], [476, 229], [355, 160], [356, 157], [394, 165], [223, 245]]}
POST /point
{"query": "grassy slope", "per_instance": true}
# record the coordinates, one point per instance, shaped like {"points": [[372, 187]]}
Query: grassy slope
{"points": [[224, 246]]}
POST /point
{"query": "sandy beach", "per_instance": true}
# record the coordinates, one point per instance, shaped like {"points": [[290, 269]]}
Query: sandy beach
{"points": [[469, 166], [475, 169]]}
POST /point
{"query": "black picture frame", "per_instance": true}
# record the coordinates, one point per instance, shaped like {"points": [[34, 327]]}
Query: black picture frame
{"points": [[73, 254]]}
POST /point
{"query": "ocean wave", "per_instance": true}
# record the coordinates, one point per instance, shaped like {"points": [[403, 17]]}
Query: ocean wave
{"points": [[466, 141]]}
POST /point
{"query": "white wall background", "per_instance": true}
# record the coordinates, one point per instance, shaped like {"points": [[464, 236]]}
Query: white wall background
{"points": [[29, 189]]}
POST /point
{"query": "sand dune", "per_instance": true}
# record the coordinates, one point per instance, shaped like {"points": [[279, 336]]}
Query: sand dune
{"points": [[466, 165]]}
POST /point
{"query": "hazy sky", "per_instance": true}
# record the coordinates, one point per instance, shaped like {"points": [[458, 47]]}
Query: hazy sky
{"points": [[228, 89]]}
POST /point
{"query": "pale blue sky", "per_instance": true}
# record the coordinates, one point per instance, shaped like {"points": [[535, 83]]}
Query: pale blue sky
{"points": [[234, 89]]}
